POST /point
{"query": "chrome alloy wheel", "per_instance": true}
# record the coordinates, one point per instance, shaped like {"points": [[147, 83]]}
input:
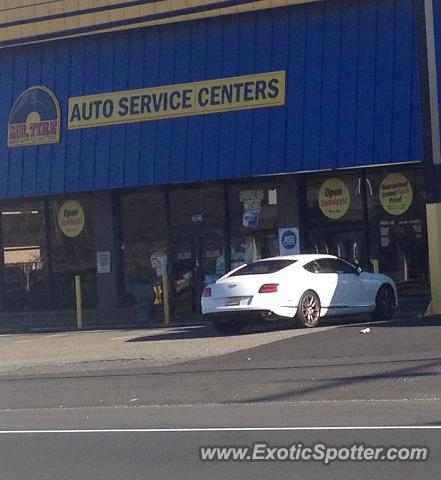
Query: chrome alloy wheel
{"points": [[310, 309]]}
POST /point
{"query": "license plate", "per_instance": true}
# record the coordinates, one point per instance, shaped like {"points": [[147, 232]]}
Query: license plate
{"points": [[229, 302]]}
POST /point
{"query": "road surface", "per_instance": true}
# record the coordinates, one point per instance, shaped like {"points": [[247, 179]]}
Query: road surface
{"points": [[335, 386]]}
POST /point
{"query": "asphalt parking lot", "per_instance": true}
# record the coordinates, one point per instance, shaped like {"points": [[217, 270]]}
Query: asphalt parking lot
{"points": [[92, 350], [107, 349], [75, 395]]}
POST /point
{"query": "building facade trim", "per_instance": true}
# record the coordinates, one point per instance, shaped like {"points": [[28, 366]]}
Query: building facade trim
{"points": [[65, 23]]}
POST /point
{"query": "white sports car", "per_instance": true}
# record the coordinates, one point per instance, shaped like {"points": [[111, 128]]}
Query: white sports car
{"points": [[301, 287]]}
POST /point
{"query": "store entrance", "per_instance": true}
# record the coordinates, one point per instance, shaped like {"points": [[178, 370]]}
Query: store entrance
{"points": [[198, 250], [198, 261]]}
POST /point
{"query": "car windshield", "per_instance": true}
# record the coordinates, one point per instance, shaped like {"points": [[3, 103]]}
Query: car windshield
{"points": [[263, 267]]}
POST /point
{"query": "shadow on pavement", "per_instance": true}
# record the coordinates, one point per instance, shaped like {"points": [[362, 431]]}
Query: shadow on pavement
{"points": [[207, 331], [426, 369], [178, 333]]}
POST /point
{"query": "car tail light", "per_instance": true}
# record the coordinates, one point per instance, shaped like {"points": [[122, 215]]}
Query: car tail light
{"points": [[206, 292], [269, 288]]}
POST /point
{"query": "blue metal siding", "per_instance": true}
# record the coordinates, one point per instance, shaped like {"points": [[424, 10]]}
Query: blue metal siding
{"points": [[367, 70], [279, 56], [261, 119], [331, 77], [352, 98], [348, 84]]}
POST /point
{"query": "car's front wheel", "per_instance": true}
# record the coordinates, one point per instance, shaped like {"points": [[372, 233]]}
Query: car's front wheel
{"points": [[308, 311], [384, 303]]}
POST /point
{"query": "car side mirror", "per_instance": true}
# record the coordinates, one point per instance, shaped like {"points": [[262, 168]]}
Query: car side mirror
{"points": [[359, 270]]}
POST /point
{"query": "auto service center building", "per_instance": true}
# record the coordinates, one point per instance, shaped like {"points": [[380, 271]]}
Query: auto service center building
{"points": [[189, 137]]}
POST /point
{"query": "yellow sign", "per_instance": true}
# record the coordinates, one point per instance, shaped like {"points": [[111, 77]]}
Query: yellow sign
{"points": [[71, 218], [186, 99], [396, 194], [334, 198]]}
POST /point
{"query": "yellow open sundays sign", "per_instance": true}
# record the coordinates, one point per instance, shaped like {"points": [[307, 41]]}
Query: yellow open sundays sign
{"points": [[170, 101]]}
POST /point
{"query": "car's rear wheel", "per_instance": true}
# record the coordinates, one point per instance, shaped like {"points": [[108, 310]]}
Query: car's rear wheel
{"points": [[308, 311], [384, 303], [227, 327]]}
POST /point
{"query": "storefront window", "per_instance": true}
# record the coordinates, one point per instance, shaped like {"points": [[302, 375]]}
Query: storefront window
{"points": [[73, 251], [26, 269], [335, 217], [144, 237], [396, 209], [253, 222]]}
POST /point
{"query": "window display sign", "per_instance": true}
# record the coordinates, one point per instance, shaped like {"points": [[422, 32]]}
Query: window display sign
{"points": [[334, 198], [250, 219], [198, 217], [289, 241], [251, 200], [247, 195], [212, 250], [159, 262], [183, 252], [254, 205], [71, 218], [103, 262], [396, 194]]}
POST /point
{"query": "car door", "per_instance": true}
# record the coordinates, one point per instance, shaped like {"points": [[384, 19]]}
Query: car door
{"points": [[350, 295], [322, 280]]}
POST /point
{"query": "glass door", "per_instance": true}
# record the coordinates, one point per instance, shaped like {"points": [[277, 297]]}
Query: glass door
{"points": [[197, 232], [198, 261], [212, 255], [185, 271]]}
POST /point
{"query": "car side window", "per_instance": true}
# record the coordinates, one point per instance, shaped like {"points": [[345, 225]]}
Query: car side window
{"points": [[326, 265], [344, 267], [321, 265], [329, 265], [335, 265], [313, 267]]}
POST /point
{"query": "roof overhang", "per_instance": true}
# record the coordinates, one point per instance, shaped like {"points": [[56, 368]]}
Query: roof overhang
{"points": [[45, 21]]}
